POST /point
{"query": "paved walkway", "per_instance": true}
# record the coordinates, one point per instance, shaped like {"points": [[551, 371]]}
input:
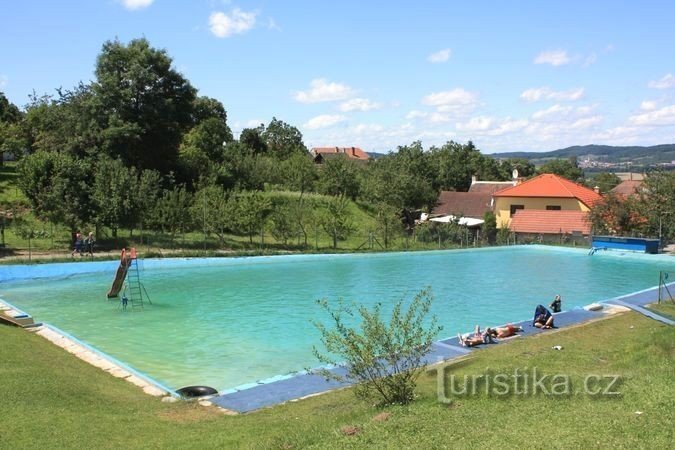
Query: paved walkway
{"points": [[302, 385]]}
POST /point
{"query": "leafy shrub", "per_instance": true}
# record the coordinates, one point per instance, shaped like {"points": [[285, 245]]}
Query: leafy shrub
{"points": [[384, 359]]}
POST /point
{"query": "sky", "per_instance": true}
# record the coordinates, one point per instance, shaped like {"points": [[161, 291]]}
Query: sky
{"points": [[508, 75]]}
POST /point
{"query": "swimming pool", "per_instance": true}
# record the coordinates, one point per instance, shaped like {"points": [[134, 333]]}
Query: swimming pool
{"points": [[227, 322]]}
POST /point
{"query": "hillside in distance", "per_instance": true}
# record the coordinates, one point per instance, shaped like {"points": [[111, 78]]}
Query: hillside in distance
{"points": [[637, 155]]}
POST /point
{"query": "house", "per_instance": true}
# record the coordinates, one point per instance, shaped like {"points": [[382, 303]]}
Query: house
{"points": [[321, 154], [472, 205], [546, 192], [627, 188], [546, 207]]}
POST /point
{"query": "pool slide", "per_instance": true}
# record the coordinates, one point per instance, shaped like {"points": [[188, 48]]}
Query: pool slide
{"points": [[122, 269]]}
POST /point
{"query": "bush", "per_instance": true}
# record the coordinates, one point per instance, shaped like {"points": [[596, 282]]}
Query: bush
{"points": [[383, 359]]}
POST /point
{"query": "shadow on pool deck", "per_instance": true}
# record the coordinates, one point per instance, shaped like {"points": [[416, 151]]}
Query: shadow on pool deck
{"points": [[303, 385]]}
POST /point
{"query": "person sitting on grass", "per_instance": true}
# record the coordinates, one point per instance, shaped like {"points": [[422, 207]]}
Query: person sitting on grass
{"points": [[478, 337], [542, 318], [506, 331]]}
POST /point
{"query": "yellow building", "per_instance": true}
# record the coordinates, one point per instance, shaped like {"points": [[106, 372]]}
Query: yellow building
{"points": [[546, 192]]}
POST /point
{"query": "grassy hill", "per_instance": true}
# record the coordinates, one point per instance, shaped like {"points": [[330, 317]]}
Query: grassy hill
{"points": [[606, 153]]}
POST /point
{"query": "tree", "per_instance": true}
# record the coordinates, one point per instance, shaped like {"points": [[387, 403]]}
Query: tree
{"points": [[299, 173], [113, 194], [12, 138], [456, 164], [605, 181], [217, 209], [489, 227], [615, 215], [339, 177], [57, 187], [145, 103], [564, 168], [656, 203], [283, 224], [336, 219], [253, 210], [524, 167], [282, 139], [253, 140], [384, 357], [172, 213]]}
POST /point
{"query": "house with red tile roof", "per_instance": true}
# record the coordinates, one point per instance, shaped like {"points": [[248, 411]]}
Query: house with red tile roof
{"points": [[321, 154], [547, 192], [627, 188]]}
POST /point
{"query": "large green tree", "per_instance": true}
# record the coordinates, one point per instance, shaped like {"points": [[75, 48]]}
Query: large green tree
{"points": [[563, 167], [283, 139], [146, 104], [12, 138]]}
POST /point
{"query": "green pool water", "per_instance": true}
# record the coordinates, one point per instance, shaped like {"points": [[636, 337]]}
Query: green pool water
{"points": [[228, 322]]}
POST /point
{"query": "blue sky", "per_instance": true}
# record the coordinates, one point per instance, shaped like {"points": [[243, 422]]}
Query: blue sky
{"points": [[509, 75]]}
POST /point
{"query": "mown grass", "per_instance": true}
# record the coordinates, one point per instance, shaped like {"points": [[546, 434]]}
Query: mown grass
{"points": [[52, 399]]}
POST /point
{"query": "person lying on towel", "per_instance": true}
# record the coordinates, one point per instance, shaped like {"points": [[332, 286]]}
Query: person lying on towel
{"points": [[507, 331]]}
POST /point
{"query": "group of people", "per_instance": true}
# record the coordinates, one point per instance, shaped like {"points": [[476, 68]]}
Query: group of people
{"points": [[85, 245], [543, 318]]}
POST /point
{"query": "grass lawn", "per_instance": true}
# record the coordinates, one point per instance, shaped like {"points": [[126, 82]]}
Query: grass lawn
{"points": [[52, 399]]}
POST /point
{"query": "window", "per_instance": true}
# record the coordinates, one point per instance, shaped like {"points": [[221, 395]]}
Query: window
{"points": [[515, 208], [552, 207]]}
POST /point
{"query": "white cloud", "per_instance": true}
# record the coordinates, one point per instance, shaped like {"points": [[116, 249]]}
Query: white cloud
{"points": [[455, 97], [490, 126], [323, 121], [358, 104], [648, 105], [438, 117], [4, 81], [658, 117], [440, 56], [555, 110], [415, 114], [586, 122], [546, 93], [553, 57], [322, 91], [133, 5], [480, 123], [365, 128], [667, 82], [237, 22], [456, 101]]}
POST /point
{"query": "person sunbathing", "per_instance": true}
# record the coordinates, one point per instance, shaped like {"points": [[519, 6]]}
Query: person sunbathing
{"points": [[478, 337], [507, 331], [542, 317]]}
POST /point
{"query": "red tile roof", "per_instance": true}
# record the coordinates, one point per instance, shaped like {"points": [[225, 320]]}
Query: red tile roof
{"points": [[552, 186], [466, 204], [351, 152], [550, 222], [627, 188]]}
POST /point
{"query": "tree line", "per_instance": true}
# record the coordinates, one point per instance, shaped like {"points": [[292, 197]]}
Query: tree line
{"points": [[138, 148]]}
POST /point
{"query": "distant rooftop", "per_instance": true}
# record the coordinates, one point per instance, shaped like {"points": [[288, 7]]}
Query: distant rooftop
{"points": [[350, 152], [550, 222]]}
